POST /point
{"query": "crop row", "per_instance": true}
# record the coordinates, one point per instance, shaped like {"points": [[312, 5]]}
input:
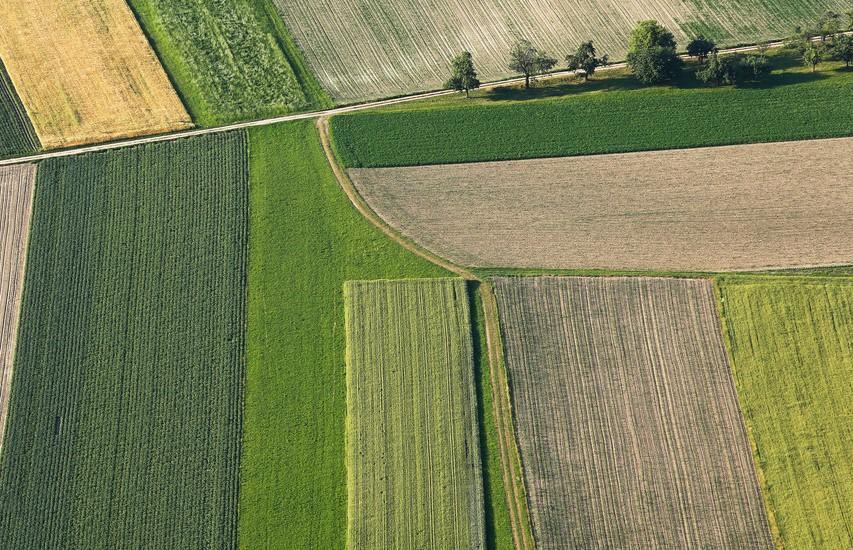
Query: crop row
{"points": [[413, 460], [17, 136], [125, 418]]}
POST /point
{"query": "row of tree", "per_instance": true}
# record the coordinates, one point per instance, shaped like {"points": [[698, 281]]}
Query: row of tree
{"points": [[653, 58]]}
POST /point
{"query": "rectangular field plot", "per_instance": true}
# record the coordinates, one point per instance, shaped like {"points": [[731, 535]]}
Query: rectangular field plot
{"points": [[125, 418], [363, 49], [710, 209], [16, 192], [413, 459], [627, 418], [792, 343], [85, 72]]}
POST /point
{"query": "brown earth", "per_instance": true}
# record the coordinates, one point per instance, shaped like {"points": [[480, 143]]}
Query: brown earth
{"points": [[742, 207], [85, 72], [626, 414], [17, 184]]}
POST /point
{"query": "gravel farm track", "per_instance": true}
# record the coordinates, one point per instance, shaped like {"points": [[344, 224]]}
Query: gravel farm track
{"points": [[17, 186]]}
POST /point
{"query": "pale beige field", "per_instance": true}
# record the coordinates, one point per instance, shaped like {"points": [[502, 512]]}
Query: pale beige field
{"points": [[364, 49], [626, 415], [17, 184], [742, 207], [85, 72]]}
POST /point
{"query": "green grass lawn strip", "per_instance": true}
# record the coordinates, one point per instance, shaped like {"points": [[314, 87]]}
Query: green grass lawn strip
{"points": [[791, 341], [609, 115], [306, 241], [124, 427], [17, 136]]}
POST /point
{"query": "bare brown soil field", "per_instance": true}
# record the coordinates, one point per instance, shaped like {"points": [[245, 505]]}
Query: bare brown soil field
{"points": [[85, 72], [740, 207], [626, 413], [16, 197], [365, 49]]}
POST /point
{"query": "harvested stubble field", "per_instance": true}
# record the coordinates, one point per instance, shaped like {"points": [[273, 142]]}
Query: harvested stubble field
{"points": [[577, 118], [368, 49], [17, 184], [711, 209], [125, 418], [231, 60], [413, 458], [792, 345], [626, 415], [85, 72], [17, 136]]}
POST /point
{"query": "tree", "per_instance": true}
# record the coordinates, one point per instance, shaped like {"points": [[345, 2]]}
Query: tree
{"points": [[463, 75], [585, 59], [850, 19], [651, 53], [719, 70], [813, 54], [753, 67], [524, 58], [842, 49], [828, 24], [700, 47]]}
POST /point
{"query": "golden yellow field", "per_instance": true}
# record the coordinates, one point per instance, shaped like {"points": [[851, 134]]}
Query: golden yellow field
{"points": [[85, 72]]}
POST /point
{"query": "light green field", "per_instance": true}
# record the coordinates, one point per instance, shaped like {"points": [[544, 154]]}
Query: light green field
{"points": [[792, 346], [413, 461]]}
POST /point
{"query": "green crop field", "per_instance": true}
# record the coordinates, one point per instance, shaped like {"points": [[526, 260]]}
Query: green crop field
{"points": [[17, 136], [792, 342], [125, 422], [413, 460], [510, 124], [230, 60]]}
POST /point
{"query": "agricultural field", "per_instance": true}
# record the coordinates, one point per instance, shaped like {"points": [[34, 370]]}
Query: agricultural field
{"points": [[231, 60], [626, 415], [125, 418], [17, 184], [791, 340], [85, 72], [740, 207], [367, 50], [413, 461], [575, 118], [17, 136]]}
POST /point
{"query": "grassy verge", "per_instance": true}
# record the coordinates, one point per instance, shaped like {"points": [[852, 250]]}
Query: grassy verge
{"points": [[790, 344], [607, 115], [229, 61], [17, 135], [124, 423], [306, 240]]}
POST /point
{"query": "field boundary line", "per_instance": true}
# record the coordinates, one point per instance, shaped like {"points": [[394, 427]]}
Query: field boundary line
{"points": [[509, 457], [334, 111]]}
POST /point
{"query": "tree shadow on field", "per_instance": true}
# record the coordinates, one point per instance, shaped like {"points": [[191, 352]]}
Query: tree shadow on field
{"points": [[480, 364]]}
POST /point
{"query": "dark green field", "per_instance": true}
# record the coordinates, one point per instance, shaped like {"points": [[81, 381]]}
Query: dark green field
{"points": [[608, 115], [125, 417], [230, 61], [17, 136]]}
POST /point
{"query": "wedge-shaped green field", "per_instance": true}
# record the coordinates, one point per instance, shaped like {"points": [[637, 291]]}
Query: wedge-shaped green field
{"points": [[628, 423], [230, 60], [125, 418], [792, 344], [17, 136], [413, 462]]}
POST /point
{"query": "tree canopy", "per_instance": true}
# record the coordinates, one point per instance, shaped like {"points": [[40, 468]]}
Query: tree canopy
{"points": [[585, 59], [463, 75], [528, 60], [651, 53]]}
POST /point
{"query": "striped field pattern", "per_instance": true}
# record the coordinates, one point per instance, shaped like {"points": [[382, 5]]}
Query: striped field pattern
{"points": [[413, 459], [364, 49], [17, 136], [17, 184], [627, 418]]}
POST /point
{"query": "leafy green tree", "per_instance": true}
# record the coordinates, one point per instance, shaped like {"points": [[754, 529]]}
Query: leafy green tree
{"points": [[753, 67], [463, 75], [586, 60], [719, 70], [651, 53], [524, 58], [813, 54], [842, 49], [829, 24], [700, 47]]}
